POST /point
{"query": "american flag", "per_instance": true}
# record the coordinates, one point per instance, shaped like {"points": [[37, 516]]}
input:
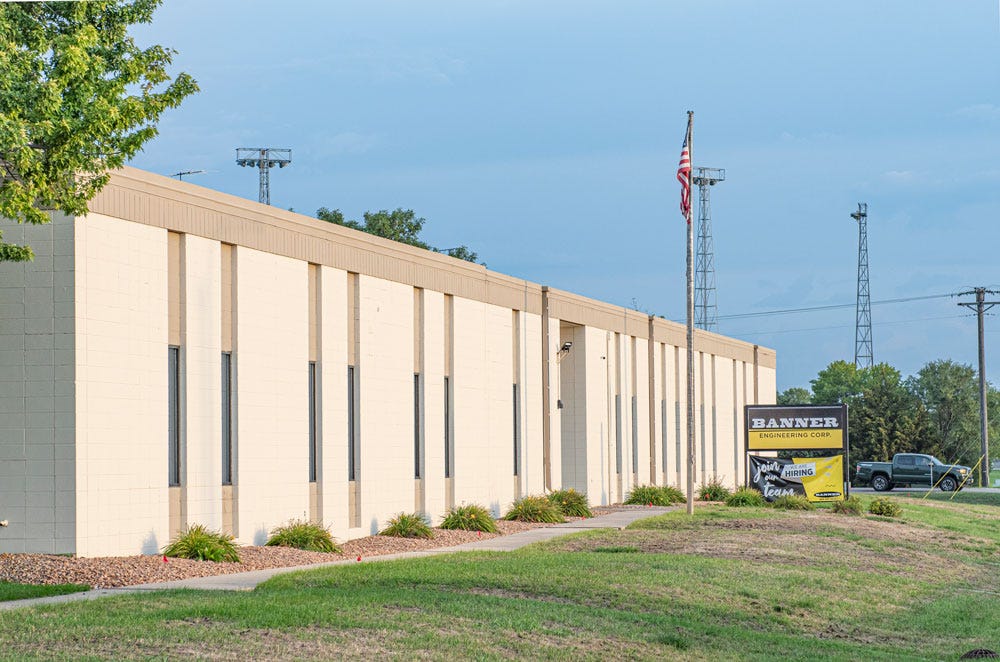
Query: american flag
{"points": [[684, 177]]}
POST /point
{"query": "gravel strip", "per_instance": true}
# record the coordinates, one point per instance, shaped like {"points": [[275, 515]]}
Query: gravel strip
{"points": [[115, 571]]}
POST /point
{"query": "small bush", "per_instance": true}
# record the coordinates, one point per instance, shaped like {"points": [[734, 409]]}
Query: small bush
{"points": [[850, 506], [713, 491], [643, 495], [303, 535], [534, 509], [673, 495], [792, 502], [408, 525], [884, 507], [469, 518], [203, 544], [657, 495], [746, 497], [571, 503]]}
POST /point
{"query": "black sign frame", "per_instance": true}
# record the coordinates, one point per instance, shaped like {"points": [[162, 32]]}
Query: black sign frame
{"points": [[798, 413]]}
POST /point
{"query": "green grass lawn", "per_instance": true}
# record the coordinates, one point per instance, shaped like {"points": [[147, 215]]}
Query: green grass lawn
{"points": [[9, 591], [727, 584]]}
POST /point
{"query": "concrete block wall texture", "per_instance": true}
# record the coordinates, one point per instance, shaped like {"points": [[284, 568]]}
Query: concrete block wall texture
{"points": [[201, 323], [83, 379], [332, 409], [121, 387], [386, 402], [37, 455], [272, 358]]}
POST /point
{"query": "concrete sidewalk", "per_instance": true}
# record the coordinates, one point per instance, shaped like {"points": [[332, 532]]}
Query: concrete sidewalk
{"points": [[247, 581]]}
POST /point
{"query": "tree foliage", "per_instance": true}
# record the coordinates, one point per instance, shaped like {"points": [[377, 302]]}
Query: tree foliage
{"points": [[401, 225], [836, 384], [796, 395], [887, 418], [935, 411], [951, 393], [78, 98]]}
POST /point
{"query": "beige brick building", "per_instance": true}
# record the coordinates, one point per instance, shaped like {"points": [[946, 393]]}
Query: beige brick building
{"points": [[181, 356]]}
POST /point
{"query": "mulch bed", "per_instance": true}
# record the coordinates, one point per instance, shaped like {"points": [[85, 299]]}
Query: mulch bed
{"points": [[116, 571]]}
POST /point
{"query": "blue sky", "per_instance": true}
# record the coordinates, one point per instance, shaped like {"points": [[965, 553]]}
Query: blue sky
{"points": [[546, 136]]}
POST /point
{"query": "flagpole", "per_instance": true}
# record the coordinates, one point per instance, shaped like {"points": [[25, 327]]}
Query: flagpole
{"points": [[690, 327]]}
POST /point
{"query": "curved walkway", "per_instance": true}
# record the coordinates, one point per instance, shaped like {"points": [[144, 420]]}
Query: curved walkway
{"points": [[247, 581]]}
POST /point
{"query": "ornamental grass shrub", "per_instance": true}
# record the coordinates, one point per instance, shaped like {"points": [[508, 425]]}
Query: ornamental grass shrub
{"points": [[571, 503], [644, 495], [470, 517], [884, 507], [534, 509], [792, 502], [746, 497], [673, 494], [202, 544], [849, 506], [714, 490], [408, 525], [303, 535]]}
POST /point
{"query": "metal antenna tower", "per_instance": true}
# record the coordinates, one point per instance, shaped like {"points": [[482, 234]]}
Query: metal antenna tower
{"points": [[263, 158], [863, 355], [706, 311]]}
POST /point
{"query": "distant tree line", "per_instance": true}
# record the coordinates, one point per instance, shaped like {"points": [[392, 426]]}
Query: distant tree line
{"points": [[401, 225], [935, 411]]}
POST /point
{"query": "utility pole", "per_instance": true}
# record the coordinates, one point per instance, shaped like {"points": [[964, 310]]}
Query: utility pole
{"points": [[863, 354], [706, 310], [263, 158], [982, 305]]}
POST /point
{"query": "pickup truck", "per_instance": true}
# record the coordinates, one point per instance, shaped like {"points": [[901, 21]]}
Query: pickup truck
{"points": [[911, 469]]}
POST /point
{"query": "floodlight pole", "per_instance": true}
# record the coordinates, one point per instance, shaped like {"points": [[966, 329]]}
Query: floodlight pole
{"points": [[263, 158]]}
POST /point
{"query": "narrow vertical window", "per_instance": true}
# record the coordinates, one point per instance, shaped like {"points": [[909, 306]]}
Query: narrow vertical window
{"points": [[312, 422], [664, 433], [227, 418], [635, 435], [352, 451], [174, 415], [447, 428], [417, 459], [618, 432], [517, 431]]}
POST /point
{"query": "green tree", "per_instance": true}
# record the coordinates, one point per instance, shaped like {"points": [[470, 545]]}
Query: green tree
{"points": [[78, 98], [796, 395], [839, 383], [886, 418], [950, 391], [401, 225], [461, 253]]}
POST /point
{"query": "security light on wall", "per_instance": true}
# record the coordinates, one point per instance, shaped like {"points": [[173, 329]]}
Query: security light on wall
{"points": [[563, 351]]}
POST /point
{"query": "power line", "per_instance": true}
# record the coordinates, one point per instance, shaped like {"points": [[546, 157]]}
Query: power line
{"points": [[845, 326], [812, 309]]}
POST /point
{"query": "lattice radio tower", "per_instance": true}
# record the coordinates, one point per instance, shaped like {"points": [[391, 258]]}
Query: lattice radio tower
{"points": [[863, 355], [705, 308], [263, 158]]}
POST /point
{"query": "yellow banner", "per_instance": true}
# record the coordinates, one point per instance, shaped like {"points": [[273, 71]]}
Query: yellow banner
{"points": [[794, 439], [827, 481]]}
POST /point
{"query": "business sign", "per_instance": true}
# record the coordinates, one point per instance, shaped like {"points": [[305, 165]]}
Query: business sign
{"points": [[805, 427], [816, 478]]}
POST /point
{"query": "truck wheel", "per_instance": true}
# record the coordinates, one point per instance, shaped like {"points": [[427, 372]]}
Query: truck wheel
{"points": [[948, 484], [880, 483]]}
